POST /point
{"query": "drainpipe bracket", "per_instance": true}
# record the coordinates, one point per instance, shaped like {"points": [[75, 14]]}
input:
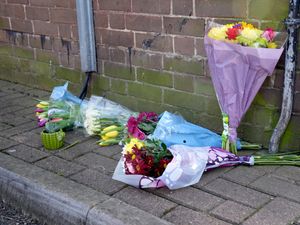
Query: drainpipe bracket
{"points": [[292, 22]]}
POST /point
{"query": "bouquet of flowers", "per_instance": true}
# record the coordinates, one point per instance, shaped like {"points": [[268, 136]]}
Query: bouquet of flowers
{"points": [[142, 125], [240, 57], [106, 119], [41, 112], [61, 115], [147, 157]]}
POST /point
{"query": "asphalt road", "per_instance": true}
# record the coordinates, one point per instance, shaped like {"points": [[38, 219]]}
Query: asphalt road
{"points": [[11, 216]]}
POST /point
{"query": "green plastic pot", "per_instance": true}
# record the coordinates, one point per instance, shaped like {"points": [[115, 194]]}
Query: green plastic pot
{"points": [[53, 141]]}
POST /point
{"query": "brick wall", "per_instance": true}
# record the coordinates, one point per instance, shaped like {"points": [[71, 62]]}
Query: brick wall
{"points": [[149, 52]]}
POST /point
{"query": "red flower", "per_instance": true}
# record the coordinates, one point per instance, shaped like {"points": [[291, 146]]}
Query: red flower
{"points": [[232, 33]]}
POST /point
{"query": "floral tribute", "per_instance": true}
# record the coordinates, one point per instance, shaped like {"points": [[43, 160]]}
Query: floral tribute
{"points": [[240, 58], [147, 157], [141, 155], [143, 125], [244, 34]]}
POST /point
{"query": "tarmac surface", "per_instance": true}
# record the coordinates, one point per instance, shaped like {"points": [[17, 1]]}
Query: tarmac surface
{"points": [[74, 186]]}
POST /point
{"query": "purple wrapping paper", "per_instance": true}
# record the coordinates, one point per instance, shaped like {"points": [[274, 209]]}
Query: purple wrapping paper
{"points": [[237, 74]]}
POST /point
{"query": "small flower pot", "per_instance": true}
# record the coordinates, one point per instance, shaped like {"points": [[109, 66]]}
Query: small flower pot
{"points": [[53, 141]]}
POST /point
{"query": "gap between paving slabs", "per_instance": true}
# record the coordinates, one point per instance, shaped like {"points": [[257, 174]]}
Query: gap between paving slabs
{"points": [[56, 200]]}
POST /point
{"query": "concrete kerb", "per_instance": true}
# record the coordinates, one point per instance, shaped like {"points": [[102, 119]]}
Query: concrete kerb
{"points": [[57, 200]]}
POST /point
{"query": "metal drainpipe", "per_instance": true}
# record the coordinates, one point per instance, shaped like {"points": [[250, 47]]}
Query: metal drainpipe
{"points": [[292, 23], [85, 21]]}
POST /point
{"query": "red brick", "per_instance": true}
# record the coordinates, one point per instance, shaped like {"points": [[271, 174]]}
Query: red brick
{"points": [[42, 27], [154, 43], [45, 3], [184, 45], [117, 38], [65, 31], [200, 47], [144, 23], [101, 19], [15, 11], [221, 8], [117, 55], [102, 52], [21, 25], [146, 59], [62, 45], [17, 38], [184, 26], [297, 86], [75, 32], [183, 7], [63, 16], [153, 6], [4, 23], [37, 13], [64, 4], [18, 1], [74, 48], [117, 21], [41, 42], [296, 107], [67, 60], [3, 37], [116, 5]]}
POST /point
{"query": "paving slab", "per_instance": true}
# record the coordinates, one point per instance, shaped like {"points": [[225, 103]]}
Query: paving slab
{"points": [[4, 126], [98, 181], [184, 216], [29, 138], [243, 175], [109, 151], [14, 119], [238, 193], [6, 143], [26, 153], [232, 212], [280, 211], [98, 162], [19, 129], [59, 166], [289, 172], [191, 197], [77, 150], [278, 187], [146, 201], [211, 175]]}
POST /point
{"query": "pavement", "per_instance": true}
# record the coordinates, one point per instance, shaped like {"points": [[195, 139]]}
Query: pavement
{"points": [[74, 186]]}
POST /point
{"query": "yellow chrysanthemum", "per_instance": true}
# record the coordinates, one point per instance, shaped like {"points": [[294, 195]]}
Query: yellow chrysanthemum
{"points": [[133, 141], [251, 34], [218, 33], [246, 25], [272, 45]]}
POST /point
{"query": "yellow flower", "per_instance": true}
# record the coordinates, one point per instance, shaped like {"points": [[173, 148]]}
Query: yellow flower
{"points": [[132, 143], [246, 25], [251, 34], [218, 33], [272, 45]]}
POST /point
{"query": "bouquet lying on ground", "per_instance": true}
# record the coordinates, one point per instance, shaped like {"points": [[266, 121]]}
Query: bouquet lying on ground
{"points": [[61, 115], [106, 119], [240, 57]]}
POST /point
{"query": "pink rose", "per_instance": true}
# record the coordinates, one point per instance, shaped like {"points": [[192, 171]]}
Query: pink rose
{"points": [[269, 34]]}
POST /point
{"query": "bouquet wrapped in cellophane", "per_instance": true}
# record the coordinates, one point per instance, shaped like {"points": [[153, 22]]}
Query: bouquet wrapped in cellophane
{"points": [[240, 57], [106, 119]]}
